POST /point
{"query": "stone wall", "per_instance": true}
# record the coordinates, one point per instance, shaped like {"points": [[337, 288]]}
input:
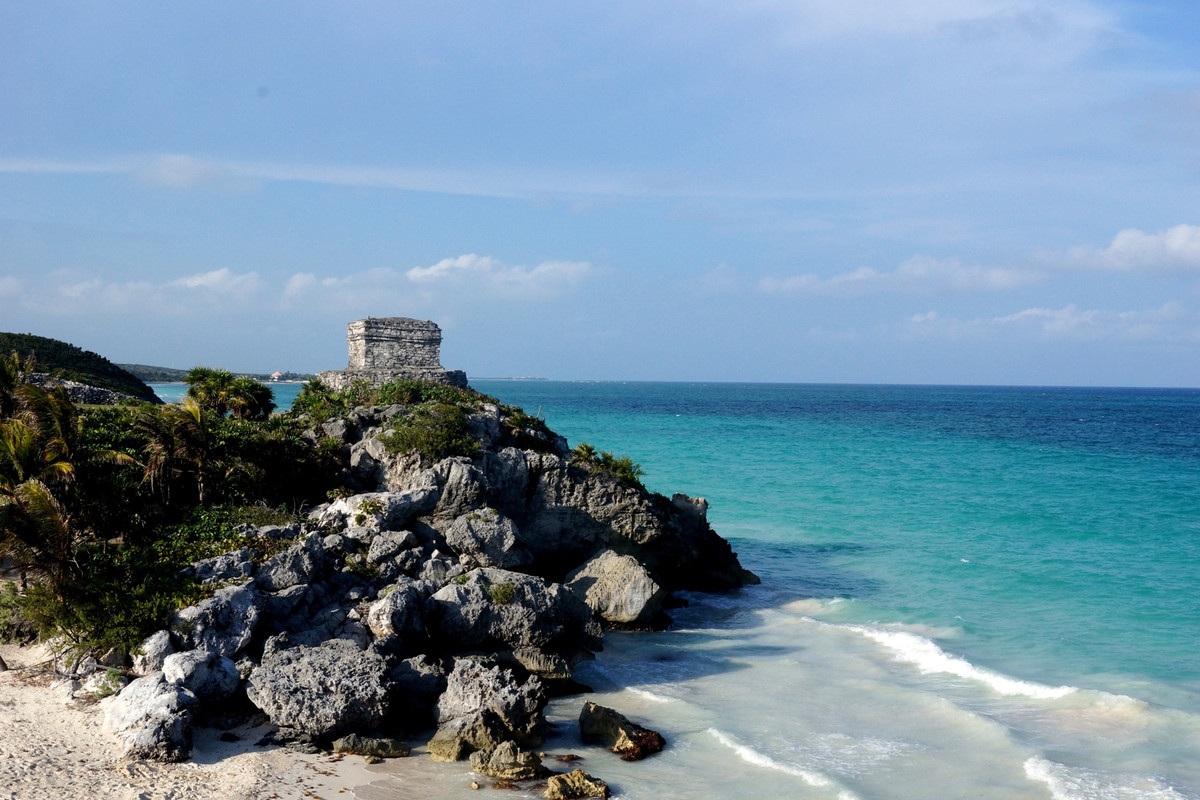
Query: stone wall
{"points": [[385, 349]]}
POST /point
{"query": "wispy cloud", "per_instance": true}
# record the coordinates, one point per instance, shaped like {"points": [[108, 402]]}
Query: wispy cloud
{"points": [[215, 292], [1176, 248], [1170, 321], [917, 274], [9, 286]]}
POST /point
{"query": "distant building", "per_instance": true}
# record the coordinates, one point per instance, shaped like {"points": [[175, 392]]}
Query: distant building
{"points": [[276, 375], [384, 349]]}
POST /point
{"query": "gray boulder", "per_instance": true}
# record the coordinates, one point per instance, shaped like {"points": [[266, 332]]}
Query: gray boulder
{"points": [[484, 706], [573, 785], [379, 511], [226, 567], [398, 613], [206, 675], [301, 563], [541, 625], [618, 588], [321, 691], [153, 719], [489, 538], [223, 624], [507, 762], [378, 747], [149, 655]]}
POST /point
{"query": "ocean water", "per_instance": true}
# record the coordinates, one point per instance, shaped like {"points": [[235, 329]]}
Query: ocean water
{"points": [[967, 592]]}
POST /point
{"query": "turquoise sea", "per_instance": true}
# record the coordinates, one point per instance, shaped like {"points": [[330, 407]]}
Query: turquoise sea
{"points": [[967, 592]]}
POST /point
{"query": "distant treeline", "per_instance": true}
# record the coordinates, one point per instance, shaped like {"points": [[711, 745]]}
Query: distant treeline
{"points": [[172, 375], [72, 363]]}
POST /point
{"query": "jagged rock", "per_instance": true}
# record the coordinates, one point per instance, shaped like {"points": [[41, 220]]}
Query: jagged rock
{"points": [[508, 762], [153, 719], [398, 613], [206, 675], [484, 424], [303, 562], [490, 538], [227, 567], [608, 727], [275, 532], [494, 610], [383, 511], [388, 544], [223, 624], [418, 682], [439, 569], [366, 458], [324, 690], [483, 706], [379, 747], [575, 784], [151, 652], [618, 588], [463, 488]]}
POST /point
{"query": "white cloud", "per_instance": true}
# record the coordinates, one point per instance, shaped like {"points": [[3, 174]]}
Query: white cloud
{"points": [[1076, 323], [9, 286], [222, 281], [917, 274], [211, 292], [1176, 248], [548, 279]]}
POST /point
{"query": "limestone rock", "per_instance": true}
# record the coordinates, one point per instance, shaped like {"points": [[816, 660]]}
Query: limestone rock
{"points": [[508, 762], [490, 538], [151, 652], [618, 588], [378, 511], [628, 739], [397, 613], [379, 747], [153, 719], [484, 706], [301, 563], [226, 567], [494, 610], [206, 675], [222, 624], [575, 784], [324, 690]]}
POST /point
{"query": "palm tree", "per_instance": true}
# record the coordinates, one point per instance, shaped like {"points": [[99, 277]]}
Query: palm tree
{"points": [[12, 378], [211, 388], [249, 399], [178, 444]]}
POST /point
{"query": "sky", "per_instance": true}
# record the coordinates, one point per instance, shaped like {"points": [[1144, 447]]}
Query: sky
{"points": [[911, 191]]}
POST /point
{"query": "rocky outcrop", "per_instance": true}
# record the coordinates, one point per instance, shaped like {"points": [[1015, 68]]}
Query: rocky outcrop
{"points": [[484, 706], [507, 762], [540, 625], [573, 785], [321, 691], [223, 624], [608, 727], [206, 675], [619, 589], [153, 719], [390, 348]]}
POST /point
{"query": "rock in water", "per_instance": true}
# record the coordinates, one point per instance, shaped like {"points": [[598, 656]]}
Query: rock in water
{"points": [[322, 691], [508, 763], [379, 747], [628, 739], [575, 784]]}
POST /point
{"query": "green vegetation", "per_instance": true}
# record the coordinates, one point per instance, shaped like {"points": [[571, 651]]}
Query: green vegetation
{"points": [[622, 468], [501, 593], [217, 390], [71, 363], [435, 430]]}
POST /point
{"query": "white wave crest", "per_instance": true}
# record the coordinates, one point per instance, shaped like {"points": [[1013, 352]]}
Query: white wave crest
{"points": [[752, 756], [1065, 783], [930, 658], [647, 695]]}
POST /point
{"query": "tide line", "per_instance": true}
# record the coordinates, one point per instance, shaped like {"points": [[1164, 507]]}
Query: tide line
{"points": [[752, 756]]}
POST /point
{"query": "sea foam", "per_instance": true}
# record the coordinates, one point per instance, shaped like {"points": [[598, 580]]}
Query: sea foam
{"points": [[752, 756], [931, 659], [1066, 783]]}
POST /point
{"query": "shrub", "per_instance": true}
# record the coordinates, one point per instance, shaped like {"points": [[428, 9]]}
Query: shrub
{"points": [[501, 593], [434, 430]]}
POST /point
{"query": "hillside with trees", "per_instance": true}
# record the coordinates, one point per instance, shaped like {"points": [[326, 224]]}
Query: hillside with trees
{"points": [[63, 360]]}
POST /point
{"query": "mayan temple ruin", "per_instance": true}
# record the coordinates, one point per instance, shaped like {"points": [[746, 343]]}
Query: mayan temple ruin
{"points": [[385, 349]]}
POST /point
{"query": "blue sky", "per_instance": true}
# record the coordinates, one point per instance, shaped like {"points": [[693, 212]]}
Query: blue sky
{"points": [[917, 191]]}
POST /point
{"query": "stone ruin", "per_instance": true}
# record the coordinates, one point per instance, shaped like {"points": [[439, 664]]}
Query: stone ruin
{"points": [[385, 349]]}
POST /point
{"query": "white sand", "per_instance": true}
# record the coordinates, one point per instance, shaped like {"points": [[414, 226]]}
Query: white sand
{"points": [[51, 748]]}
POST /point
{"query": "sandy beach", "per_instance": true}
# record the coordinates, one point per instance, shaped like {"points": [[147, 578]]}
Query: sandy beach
{"points": [[51, 747]]}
